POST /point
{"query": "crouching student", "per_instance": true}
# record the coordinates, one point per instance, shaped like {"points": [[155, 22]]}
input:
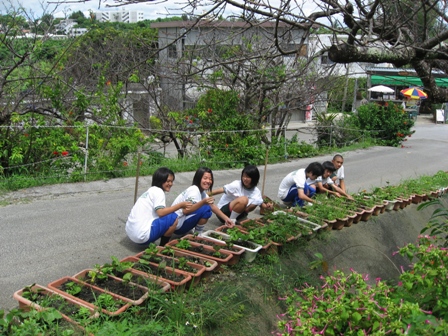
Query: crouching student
{"points": [[297, 187], [150, 219], [326, 185], [338, 176], [241, 196], [196, 216]]}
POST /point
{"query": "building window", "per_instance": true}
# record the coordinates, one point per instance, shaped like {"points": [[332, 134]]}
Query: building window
{"points": [[172, 51]]}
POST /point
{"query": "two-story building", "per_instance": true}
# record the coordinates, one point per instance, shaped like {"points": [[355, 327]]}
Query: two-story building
{"points": [[195, 47]]}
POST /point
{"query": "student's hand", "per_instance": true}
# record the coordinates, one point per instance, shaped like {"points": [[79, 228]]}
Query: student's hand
{"points": [[209, 200], [186, 205], [350, 197], [229, 223], [267, 206], [337, 194]]}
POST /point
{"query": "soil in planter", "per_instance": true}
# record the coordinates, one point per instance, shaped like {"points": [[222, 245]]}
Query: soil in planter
{"points": [[196, 260], [121, 288], [92, 295], [157, 271], [140, 280], [210, 243], [200, 249], [242, 243], [169, 262], [57, 302]]}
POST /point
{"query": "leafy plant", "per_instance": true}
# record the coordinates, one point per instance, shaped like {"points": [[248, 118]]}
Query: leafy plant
{"points": [[73, 288], [184, 244]]}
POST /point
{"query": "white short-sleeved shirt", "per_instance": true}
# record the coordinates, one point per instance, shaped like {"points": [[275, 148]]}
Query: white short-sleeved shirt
{"points": [[236, 189], [328, 180], [339, 174], [297, 177], [138, 225], [191, 194]]}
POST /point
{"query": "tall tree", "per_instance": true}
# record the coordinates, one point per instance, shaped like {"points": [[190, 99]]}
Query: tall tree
{"points": [[404, 33]]}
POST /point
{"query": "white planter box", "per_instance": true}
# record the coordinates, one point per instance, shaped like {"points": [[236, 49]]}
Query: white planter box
{"points": [[250, 253], [302, 222]]}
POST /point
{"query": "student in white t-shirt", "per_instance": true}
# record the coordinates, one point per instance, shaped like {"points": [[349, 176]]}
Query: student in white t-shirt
{"points": [[296, 188], [325, 184], [196, 216], [150, 219], [241, 196], [338, 176]]}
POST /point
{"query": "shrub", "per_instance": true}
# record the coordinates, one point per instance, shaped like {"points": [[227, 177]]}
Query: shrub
{"points": [[389, 122]]}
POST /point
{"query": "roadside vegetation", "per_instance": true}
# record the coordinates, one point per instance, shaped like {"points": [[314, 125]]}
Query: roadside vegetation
{"points": [[282, 295]]}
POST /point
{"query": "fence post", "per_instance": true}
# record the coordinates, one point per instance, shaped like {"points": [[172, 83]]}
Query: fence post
{"points": [[86, 156]]}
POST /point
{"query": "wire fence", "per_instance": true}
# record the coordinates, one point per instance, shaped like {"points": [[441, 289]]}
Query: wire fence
{"points": [[295, 141]]}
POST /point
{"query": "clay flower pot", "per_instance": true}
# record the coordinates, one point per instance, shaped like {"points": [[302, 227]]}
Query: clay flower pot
{"points": [[210, 265], [196, 269], [91, 291], [26, 304], [179, 284], [235, 250], [367, 214], [137, 293]]}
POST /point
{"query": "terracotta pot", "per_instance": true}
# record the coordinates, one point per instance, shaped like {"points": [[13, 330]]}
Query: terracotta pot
{"points": [[236, 250], [330, 224], [340, 223], [385, 204], [397, 204], [366, 215], [350, 219], [377, 209], [209, 264], [83, 276], [220, 260], [57, 287], [26, 305], [178, 285], [196, 276]]}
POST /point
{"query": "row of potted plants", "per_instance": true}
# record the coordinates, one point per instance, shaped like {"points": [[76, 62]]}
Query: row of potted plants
{"points": [[112, 288], [336, 213]]}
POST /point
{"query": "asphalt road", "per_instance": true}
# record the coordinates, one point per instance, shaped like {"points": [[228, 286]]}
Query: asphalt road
{"points": [[54, 231]]}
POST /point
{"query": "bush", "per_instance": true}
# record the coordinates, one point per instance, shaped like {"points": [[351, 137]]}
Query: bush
{"points": [[388, 122]]}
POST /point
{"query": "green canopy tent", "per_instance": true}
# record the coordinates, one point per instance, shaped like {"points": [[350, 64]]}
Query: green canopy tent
{"points": [[403, 81]]}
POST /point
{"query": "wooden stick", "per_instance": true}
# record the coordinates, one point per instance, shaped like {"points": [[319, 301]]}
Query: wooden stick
{"points": [[265, 168], [137, 174]]}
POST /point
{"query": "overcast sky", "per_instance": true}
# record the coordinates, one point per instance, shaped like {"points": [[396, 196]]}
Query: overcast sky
{"points": [[38, 8], [152, 10]]}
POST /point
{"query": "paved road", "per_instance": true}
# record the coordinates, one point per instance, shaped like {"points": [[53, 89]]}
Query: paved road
{"points": [[54, 231]]}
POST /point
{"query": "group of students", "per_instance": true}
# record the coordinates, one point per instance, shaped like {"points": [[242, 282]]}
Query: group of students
{"points": [[151, 219], [299, 186]]}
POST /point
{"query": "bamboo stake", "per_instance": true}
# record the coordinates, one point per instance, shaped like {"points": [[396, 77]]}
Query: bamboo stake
{"points": [[265, 168], [137, 174]]}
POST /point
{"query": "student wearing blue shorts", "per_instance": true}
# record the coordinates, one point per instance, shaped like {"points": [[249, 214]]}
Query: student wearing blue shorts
{"points": [[196, 216], [150, 219], [297, 187]]}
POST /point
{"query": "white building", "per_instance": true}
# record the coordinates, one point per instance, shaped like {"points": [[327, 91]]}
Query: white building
{"points": [[124, 15]]}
